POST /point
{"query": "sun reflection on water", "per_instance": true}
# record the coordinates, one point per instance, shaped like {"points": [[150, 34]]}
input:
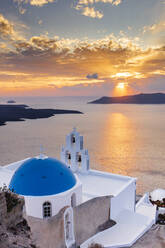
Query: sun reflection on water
{"points": [[119, 143]]}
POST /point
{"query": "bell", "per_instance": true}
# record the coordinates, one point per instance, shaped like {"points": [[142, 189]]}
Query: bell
{"points": [[73, 140], [79, 158], [69, 156]]}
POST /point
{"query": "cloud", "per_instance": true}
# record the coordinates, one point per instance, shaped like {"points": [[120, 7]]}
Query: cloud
{"points": [[155, 28], [91, 2], [87, 9], [91, 12], [42, 63], [38, 3], [40, 22], [3, 45], [85, 6], [92, 76], [8, 30], [21, 9]]}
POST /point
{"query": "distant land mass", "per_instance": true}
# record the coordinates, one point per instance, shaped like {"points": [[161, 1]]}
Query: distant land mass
{"points": [[21, 112], [11, 101], [154, 98]]}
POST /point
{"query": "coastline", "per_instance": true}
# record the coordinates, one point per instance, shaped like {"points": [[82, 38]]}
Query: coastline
{"points": [[22, 112]]}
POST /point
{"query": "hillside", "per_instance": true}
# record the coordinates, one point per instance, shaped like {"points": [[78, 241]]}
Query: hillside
{"points": [[22, 112], [154, 98]]}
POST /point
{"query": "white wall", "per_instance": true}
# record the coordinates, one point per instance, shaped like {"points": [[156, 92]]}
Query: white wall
{"points": [[124, 200], [34, 204]]}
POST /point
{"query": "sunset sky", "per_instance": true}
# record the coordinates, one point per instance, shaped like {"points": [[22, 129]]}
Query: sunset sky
{"points": [[81, 47]]}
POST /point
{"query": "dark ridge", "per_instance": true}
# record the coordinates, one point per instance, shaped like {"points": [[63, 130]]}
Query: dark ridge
{"points": [[154, 98], [22, 112], [11, 101]]}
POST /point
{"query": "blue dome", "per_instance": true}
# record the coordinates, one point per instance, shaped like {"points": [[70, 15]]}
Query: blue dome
{"points": [[40, 177]]}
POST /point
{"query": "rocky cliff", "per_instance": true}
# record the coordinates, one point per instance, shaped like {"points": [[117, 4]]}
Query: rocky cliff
{"points": [[14, 230]]}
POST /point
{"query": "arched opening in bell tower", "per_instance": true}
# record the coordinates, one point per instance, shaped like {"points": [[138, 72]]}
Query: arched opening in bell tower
{"points": [[68, 158], [73, 139], [79, 159]]}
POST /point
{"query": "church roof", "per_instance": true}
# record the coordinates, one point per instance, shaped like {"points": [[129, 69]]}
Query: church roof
{"points": [[41, 177]]}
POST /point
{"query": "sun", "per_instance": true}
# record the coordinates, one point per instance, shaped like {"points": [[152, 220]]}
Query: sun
{"points": [[120, 86], [121, 89]]}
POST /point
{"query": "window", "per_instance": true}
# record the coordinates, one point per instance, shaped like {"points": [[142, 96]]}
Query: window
{"points": [[47, 210]]}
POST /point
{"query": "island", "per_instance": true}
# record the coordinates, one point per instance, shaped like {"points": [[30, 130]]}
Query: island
{"points": [[11, 101], [21, 112], [153, 98]]}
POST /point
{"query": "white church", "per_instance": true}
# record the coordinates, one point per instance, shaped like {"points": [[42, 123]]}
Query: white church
{"points": [[79, 196]]}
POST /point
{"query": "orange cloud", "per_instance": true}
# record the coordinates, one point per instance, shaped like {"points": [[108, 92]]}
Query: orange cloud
{"points": [[43, 63], [87, 2], [91, 12], [85, 6], [155, 28], [87, 9], [8, 30], [35, 2]]}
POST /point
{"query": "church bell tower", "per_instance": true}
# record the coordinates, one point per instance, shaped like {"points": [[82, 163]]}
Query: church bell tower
{"points": [[73, 154]]}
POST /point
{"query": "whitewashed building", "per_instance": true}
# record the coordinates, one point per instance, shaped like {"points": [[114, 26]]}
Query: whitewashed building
{"points": [[49, 185]]}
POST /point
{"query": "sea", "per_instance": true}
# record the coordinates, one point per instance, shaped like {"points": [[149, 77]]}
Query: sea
{"points": [[126, 139]]}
